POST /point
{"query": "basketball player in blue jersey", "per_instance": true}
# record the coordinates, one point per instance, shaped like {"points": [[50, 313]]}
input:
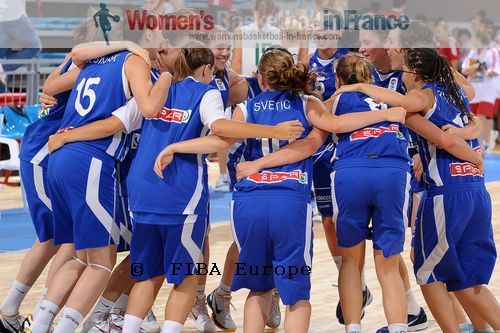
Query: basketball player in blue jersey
{"points": [[110, 309], [86, 202], [450, 183], [371, 46], [34, 160], [324, 61], [397, 43], [184, 221], [282, 101]]}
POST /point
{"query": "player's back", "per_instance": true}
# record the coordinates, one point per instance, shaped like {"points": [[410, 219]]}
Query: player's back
{"points": [[272, 108], [440, 167], [179, 120], [372, 144], [101, 88]]}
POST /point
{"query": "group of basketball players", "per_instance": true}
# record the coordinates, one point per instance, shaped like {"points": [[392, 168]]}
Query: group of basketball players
{"points": [[376, 132]]}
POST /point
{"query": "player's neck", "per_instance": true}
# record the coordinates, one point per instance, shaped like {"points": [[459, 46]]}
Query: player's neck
{"points": [[326, 54], [383, 67]]}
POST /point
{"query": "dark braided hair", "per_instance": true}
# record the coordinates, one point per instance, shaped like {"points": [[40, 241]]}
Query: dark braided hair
{"points": [[433, 67]]}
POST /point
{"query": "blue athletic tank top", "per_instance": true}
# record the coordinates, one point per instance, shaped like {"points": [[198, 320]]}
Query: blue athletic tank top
{"points": [[34, 148], [223, 86], [440, 167], [272, 108]]}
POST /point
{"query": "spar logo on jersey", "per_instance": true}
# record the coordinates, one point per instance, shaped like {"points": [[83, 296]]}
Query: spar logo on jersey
{"points": [[372, 132], [174, 115], [479, 150], [268, 177], [464, 169]]}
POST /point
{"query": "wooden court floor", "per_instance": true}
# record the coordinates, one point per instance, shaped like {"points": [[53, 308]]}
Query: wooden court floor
{"points": [[324, 296]]}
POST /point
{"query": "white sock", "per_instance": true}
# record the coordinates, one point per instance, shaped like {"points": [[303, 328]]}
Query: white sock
{"points": [[104, 305], [413, 307], [353, 328], [398, 328], [224, 289], [44, 317], [363, 282], [15, 296], [170, 326], [338, 262], [132, 324], [121, 303], [200, 290], [40, 300], [70, 320]]}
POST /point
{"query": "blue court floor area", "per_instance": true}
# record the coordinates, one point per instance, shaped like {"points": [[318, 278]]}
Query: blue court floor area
{"points": [[17, 233]]}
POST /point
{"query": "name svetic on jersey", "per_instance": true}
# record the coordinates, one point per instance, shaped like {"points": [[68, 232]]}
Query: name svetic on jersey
{"points": [[272, 105], [372, 132], [174, 115], [278, 177]]}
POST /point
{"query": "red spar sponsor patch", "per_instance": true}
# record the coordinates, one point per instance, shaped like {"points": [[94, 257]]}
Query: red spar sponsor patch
{"points": [[372, 132], [174, 115], [278, 177], [464, 169]]}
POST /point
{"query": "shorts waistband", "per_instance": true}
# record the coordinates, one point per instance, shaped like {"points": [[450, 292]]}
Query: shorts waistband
{"points": [[271, 194], [458, 187]]}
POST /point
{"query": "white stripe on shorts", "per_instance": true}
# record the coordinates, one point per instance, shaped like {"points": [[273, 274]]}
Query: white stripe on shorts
{"points": [[233, 229], [42, 153], [407, 199], [189, 244], [437, 254], [40, 189], [92, 200], [335, 205], [309, 231]]}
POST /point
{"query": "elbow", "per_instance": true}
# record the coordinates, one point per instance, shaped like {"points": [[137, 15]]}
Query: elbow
{"points": [[149, 111], [76, 56]]}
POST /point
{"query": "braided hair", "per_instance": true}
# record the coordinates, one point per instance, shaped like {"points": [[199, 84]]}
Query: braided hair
{"points": [[433, 67]]}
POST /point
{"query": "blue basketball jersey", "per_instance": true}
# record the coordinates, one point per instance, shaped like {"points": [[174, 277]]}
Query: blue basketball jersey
{"points": [[382, 140], [131, 145], [392, 80], [34, 148], [100, 89], [440, 167], [184, 189], [223, 86], [272, 108], [325, 68], [253, 87]]}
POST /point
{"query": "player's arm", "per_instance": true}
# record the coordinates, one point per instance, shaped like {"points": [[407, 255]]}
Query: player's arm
{"points": [[238, 92], [241, 130], [291, 153], [57, 83], [87, 51], [127, 119], [415, 100], [150, 98], [237, 58], [322, 119], [452, 144], [95, 19], [470, 132], [465, 84]]}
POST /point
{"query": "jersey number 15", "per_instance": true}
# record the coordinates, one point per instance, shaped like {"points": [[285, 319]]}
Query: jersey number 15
{"points": [[86, 84]]}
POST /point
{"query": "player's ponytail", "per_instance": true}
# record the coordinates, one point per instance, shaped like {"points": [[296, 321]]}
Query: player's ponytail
{"points": [[279, 71], [190, 58], [433, 67], [354, 68]]}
